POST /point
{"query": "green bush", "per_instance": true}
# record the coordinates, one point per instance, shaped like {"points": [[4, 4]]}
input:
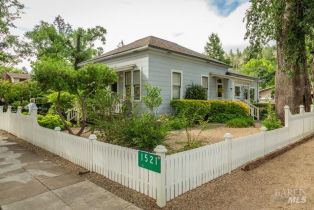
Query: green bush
{"points": [[50, 121], [263, 109], [218, 111], [145, 131], [195, 92], [176, 123], [271, 122], [242, 122]]}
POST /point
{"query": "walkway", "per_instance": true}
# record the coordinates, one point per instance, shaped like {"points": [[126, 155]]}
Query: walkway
{"points": [[27, 181]]}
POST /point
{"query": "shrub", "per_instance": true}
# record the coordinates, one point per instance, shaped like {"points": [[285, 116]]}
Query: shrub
{"points": [[152, 100], [219, 111], [263, 109], [50, 121], [176, 123], [145, 131], [195, 92], [242, 122], [271, 122]]}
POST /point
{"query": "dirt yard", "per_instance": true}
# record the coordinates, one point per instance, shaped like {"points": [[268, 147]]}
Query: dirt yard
{"points": [[175, 140]]}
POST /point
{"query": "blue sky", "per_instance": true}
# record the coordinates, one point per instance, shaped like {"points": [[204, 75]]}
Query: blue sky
{"points": [[225, 7], [186, 22]]}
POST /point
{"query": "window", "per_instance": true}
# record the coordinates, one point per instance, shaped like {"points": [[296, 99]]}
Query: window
{"points": [[137, 85], [205, 84], [127, 84], [245, 92], [220, 89], [237, 91], [176, 85], [132, 85], [252, 94]]}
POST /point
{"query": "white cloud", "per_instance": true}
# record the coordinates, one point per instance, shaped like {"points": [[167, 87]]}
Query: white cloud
{"points": [[188, 22]]}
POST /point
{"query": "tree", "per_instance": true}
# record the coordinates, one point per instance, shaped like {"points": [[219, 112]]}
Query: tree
{"points": [[60, 40], [288, 23], [10, 10], [213, 48], [261, 68], [59, 76]]}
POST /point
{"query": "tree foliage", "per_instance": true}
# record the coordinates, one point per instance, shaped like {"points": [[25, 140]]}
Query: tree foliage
{"points": [[261, 68], [10, 46], [60, 40], [213, 48], [59, 76], [288, 23]]}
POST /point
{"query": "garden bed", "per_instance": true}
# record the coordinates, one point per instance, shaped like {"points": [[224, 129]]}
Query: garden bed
{"points": [[215, 133]]}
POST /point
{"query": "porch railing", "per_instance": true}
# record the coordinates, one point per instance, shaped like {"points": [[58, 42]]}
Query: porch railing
{"points": [[254, 110]]}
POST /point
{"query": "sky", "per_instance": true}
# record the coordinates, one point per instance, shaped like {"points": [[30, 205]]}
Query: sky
{"points": [[186, 22]]}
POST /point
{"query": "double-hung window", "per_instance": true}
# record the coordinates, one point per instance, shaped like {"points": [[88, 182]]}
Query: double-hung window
{"points": [[127, 84], [176, 85], [136, 85], [205, 84]]}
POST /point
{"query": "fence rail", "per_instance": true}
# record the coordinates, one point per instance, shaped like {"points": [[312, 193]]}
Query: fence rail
{"points": [[180, 172]]}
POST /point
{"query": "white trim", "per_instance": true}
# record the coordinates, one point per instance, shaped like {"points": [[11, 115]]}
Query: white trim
{"points": [[222, 84], [140, 70], [234, 87], [132, 84], [204, 75], [181, 88]]}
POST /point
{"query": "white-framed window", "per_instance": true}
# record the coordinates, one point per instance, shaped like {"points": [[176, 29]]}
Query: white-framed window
{"points": [[237, 91], [176, 85], [205, 84], [220, 89], [132, 85], [252, 93], [137, 85]]}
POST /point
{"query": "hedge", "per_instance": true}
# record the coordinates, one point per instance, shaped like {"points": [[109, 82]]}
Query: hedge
{"points": [[219, 111]]}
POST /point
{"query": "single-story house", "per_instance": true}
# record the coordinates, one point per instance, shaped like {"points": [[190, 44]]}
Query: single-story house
{"points": [[266, 95], [173, 68], [16, 77]]}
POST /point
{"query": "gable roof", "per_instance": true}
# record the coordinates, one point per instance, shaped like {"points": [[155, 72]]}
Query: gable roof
{"points": [[158, 43]]}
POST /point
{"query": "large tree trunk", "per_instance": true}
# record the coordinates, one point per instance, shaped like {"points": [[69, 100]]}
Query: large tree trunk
{"points": [[292, 82]]}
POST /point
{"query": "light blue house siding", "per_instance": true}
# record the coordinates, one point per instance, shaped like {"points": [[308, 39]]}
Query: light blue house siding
{"points": [[156, 67], [161, 66]]}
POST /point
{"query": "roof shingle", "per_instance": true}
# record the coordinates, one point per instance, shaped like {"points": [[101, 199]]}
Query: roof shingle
{"points": [[159, 43]]}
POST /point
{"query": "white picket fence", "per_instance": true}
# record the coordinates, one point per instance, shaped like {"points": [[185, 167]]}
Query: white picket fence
{"points": [[180, 172]]}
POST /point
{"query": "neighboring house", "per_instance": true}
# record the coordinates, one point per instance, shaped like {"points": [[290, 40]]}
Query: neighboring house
{"points": [[266, 95], [16, 77], [173, 68]]}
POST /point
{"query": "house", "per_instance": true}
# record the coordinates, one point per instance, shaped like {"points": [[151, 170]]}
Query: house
{"points": [[173, 68], [16, 77], [266, 95]]}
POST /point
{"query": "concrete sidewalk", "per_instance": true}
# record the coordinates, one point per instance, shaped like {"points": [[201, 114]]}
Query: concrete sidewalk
{"points": [[27, 181]]}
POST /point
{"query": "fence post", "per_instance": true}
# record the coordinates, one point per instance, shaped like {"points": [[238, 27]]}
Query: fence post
{"points": [[91, 138], [263, 130], [1, 109], [161, 150], [19, 110], [312, 110], [312, 107], [287, 114], [301, 107], [55, 150], [9, 110], [228, 139]]}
